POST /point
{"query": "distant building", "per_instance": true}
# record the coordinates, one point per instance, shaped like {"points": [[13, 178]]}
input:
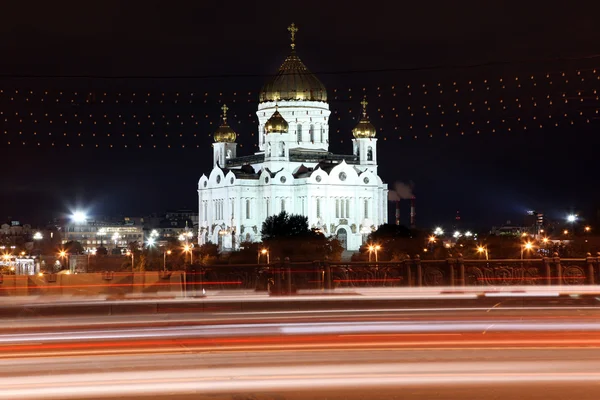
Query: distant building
{"points": [[510, 229], [99, 233]]}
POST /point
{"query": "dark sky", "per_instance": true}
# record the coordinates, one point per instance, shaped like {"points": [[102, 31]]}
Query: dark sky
{"points": [[129, 49]]}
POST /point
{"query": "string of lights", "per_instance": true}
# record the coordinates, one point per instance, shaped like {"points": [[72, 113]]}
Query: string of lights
{"points": [[179, 119]]}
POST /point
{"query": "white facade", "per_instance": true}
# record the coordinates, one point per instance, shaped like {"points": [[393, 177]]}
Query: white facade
{"points": [[294, 172]]}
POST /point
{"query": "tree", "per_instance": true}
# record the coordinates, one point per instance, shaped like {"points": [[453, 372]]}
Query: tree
{"points": [[284, 225], [74, 247]]}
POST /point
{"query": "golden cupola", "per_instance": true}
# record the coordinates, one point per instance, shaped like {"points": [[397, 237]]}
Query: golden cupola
{"points": [[224, 134], [364, 129], [276, 124], [293, 80]]}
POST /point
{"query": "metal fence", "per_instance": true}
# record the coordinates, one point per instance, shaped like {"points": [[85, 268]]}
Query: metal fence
{"points": [[287, 277]]}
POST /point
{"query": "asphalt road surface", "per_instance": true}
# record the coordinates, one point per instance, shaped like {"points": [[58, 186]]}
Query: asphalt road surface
{"points": [[490, 353]]}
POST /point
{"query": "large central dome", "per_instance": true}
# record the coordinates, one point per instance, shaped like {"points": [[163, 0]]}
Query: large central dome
{"points": [[293, 80]]}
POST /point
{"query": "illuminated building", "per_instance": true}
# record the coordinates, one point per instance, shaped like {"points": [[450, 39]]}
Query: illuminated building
{"points": [[293, 171]]}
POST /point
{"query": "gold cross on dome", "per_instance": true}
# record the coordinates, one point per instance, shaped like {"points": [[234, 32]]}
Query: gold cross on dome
{"points": [[224, 108], [364, 105], [292, 29]]}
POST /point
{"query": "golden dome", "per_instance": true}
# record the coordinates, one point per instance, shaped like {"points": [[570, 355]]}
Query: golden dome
{"points": [[364, 129], [276, 124], [224, 133], [293, 81]]}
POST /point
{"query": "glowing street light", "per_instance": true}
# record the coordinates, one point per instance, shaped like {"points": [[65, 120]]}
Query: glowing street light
{"points": [[374, 248], [572, 218], [154, 233], [587, 228], [63, 255], [79, 217], [456, 234], [438, 231], [168, 252], [566, 232], [181, 237], [527, 246], [481, 249], [545, 240], [150, 242], [264, 252], [431, 239], [189, 249], [132, 254], [38, 236]]}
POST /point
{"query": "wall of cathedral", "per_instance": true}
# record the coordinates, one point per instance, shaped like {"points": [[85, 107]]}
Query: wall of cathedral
{"points": [[342, 202]]}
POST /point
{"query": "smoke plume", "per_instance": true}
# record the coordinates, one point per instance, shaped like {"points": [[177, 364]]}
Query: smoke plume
{"points": [[401, 191]]}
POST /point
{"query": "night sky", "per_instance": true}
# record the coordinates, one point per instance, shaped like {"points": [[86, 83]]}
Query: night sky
{"points": [[182, 60]]}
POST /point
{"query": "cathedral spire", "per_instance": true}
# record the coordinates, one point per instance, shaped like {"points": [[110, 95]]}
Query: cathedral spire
{"points": [[292, 29]]}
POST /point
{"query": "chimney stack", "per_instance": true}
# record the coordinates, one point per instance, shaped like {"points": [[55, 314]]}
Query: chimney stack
{"points": [[413, 213], [397, 212]]}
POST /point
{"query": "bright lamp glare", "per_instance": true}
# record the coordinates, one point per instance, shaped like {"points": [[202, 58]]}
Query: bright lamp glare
{"points": [[572, 218], [150, 241], [79, 217]]}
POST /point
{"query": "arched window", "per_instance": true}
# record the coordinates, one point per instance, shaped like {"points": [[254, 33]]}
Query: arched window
{"points": [[299, 132], [247, 208], [282, 205], [370, 154], [311, 131], [322, 134], [268, 149], [281, 149]]}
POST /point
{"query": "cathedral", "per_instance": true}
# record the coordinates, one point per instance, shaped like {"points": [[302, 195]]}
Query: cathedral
{"points": [[293, 170]]}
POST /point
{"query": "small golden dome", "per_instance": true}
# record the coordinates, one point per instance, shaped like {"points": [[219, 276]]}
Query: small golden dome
{"points": [[364, 129], [224, 133], [293, 80], [276, 124]]}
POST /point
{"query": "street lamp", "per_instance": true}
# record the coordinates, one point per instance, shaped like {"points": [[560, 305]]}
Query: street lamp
{"points": [[484, 250], [438, 231], [115, 238], [374, 248], [38, 236], [572, 218], [150, 242], [132, 254], [527, 246], [63, 255], [587, 229], [168, 252], [431, 239], [264, 252], [188, 249]]}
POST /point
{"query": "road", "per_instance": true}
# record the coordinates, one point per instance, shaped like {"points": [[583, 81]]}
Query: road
{"points": [[526, 353]]}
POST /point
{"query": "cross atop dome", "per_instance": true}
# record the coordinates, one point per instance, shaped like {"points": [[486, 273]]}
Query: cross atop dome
{"points": [[225, 109], [364, 104], [292, 29]]}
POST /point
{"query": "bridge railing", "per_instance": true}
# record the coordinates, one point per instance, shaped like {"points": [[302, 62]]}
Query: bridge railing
{"points": [[288, 277]]}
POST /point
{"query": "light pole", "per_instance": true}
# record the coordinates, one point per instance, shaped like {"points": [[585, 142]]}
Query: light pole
{"points": [[527, 246], [374, 248], [132, 254], [165, 259], [37, 237], [188, 249], [483, 250], [64, 256], [264, 252]]}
